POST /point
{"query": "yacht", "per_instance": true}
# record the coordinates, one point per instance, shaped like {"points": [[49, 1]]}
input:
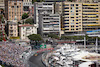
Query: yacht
{"points": [[70, 56]]}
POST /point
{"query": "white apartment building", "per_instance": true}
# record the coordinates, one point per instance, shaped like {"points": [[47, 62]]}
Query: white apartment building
{"points": [[2, 5], [26, 30], [49, 24], [12, 29], [41, 7]]}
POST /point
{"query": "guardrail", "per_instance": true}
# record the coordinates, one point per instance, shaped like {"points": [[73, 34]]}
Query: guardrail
{"points": [[44, 60]]}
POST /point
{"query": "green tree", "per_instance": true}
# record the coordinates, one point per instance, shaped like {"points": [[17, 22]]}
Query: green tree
{"points": [[25, 15], [2, 19], [29, 20], [35, 37], [63, 37], [19, 22], [53, 36]]}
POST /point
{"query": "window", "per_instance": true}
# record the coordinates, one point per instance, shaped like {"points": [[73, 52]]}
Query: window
{"points": [[76, 23], [15, 3], [72, 29], [71, 11], [76, 29], [67, 8], [72, 26], [66, 26], [17, 6], [76, 4], [66, 11], [76, 10], [72, 17], [76, 13], [76, 26], [66, 23], [49, 4], [76, 19], [71, 8], [67, 14], [66, 20], [72, 4], [66, 29]]}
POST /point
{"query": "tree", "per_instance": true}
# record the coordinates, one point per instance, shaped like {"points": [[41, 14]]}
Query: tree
{"points": [[63, 37], [29, 20], [53, 36], [72, 38], [2, 19], [35, 37], [25, 15], [19, 22]]}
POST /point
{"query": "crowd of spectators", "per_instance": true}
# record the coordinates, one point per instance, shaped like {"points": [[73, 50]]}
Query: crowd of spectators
{"points": [[10, 54]]}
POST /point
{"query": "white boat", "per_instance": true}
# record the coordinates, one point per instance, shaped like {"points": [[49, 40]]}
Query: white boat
{"points": [[74, 57]]}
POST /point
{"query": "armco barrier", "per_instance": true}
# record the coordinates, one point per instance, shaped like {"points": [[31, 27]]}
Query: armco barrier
{"points": [[44, 60]]}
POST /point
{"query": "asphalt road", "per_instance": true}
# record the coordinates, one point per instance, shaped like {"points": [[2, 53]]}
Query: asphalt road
{"points": [[35, 61]]}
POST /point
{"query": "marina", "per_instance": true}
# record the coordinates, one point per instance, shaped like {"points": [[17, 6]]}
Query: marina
{"points": [[70, 56]]}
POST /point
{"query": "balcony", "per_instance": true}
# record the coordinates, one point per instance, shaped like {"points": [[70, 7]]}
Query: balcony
{"points": [[90, 11], [90, 8], [90, 17]]}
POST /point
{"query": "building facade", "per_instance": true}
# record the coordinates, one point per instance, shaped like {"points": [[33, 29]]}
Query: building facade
{"points": [[91, 16], [26, 30], [2, 7], [78, 17], [41, 7], [13, 9], [28, 7], [2, 4], [49, 24], [12, 29]]}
